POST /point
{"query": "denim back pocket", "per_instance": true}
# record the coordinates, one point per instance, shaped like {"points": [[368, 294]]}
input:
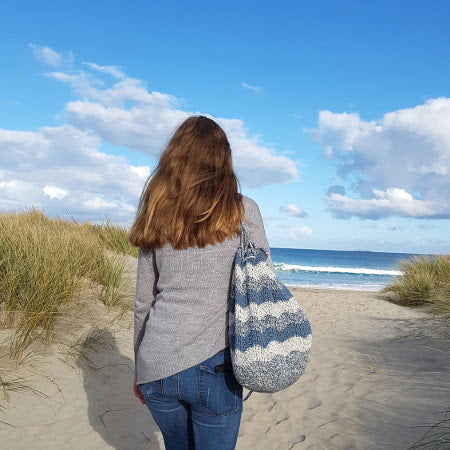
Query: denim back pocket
{"points": [[220, 393], [153, 389]]}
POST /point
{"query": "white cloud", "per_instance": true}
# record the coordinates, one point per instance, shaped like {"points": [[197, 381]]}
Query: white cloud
{"points": [[63, 170], [65, 163], [293, 210], [142, 171], [99, 203], [55, 192], [144, 128], [256, 164], [149, 119], [46, 55], [407, 151], [255, 89], [110, 70], [299, 232], [393, 201], [147, 128]]}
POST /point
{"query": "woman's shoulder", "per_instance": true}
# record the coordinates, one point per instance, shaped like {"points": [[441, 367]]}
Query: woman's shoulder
{"points": [[249, 203], [251, 208]]}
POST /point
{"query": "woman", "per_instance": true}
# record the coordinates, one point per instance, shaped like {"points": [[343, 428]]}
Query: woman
{"points": [[187, 229]]}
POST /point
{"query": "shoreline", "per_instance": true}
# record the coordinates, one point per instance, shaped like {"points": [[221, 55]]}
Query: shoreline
{"points": [[373, 378], [328, 289]]}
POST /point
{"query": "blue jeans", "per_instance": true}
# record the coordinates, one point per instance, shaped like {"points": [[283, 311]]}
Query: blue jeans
{"points": [[197, 408]]}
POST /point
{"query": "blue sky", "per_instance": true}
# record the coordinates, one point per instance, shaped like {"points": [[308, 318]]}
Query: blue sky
{"points": [[338, 112]]}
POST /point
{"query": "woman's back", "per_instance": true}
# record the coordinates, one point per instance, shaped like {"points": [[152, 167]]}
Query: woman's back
{"points": [[188, 291]]}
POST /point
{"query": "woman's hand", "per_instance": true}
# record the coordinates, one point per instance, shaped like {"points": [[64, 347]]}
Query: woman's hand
{"points": [[137, 392]]}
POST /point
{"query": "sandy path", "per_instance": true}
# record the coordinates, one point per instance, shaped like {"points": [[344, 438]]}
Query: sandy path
{"points": [[344, 401], [369, 380]]}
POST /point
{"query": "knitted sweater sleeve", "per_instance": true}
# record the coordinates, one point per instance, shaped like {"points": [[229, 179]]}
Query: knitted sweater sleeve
{"points": [[255, 226], [147, 277]]}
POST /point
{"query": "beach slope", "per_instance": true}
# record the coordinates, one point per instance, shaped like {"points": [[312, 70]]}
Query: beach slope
{"points": [[376, 373]]}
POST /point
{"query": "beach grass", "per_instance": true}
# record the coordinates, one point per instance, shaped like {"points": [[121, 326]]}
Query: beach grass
{"points": [[44, 263], [436, 436], [15, 384], [425, 280], [83, 350], [115, 238]]}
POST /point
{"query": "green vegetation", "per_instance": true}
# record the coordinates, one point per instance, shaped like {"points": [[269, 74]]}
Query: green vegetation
{"points": [[425, 280], [115, 238], [45, 262]]}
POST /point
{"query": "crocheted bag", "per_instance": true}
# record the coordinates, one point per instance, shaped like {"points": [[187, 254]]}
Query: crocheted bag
{"points": [[269, 336]]}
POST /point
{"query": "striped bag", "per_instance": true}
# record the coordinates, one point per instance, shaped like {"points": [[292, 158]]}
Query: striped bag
{"points": [[269, 336]]}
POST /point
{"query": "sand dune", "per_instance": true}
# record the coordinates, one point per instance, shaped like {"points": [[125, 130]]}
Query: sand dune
{"points": [[375, 373]]}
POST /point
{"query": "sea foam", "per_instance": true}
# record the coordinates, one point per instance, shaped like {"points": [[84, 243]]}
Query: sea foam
{"points": [[282, 267]]}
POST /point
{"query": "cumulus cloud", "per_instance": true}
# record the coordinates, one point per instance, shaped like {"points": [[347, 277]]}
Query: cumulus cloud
{"points": [[55, 192], [293, 210], [88, 86], [43, 168], [299, 232], [256, 164], [255, 89], [397, 166], [127, 114], [63, 169], [144, 127], [99, 203], [393, 201]]}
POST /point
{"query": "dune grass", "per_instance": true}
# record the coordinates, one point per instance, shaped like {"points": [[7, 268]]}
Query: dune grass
{"points": [[437, 435], [84, 349], [114, 238], [43, 264], [14, 385], [425, 280]]}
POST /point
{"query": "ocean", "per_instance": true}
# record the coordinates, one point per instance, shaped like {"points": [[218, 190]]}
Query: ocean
{"points": [[329, 269]]}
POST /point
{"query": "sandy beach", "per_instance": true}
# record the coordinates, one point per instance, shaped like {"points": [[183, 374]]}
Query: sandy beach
{"points": [[376, 374]]}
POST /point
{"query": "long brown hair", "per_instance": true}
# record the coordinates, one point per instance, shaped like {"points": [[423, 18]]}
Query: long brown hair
{"points": [[192, 197]]}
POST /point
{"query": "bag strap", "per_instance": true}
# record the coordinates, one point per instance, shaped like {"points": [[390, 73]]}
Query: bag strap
{"points": [[245, 236], [245, 243]]}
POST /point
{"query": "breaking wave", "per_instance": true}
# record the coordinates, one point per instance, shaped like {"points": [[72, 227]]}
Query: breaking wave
{"points": [[293, 268]]}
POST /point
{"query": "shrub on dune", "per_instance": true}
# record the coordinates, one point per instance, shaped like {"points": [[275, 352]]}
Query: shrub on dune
{"points": [[424, 280], [43, 263]]}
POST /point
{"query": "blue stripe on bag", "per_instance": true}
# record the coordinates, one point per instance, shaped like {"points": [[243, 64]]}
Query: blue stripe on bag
{"points": [[263, 339], [264, 294], [276, 324]]}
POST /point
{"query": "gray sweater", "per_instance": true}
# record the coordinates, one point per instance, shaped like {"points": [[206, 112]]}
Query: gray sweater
{"points": [[181, 303]]}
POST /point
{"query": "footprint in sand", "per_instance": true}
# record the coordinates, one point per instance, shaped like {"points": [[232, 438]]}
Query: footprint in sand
{"points": [[313, 403], [297, 440]]}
